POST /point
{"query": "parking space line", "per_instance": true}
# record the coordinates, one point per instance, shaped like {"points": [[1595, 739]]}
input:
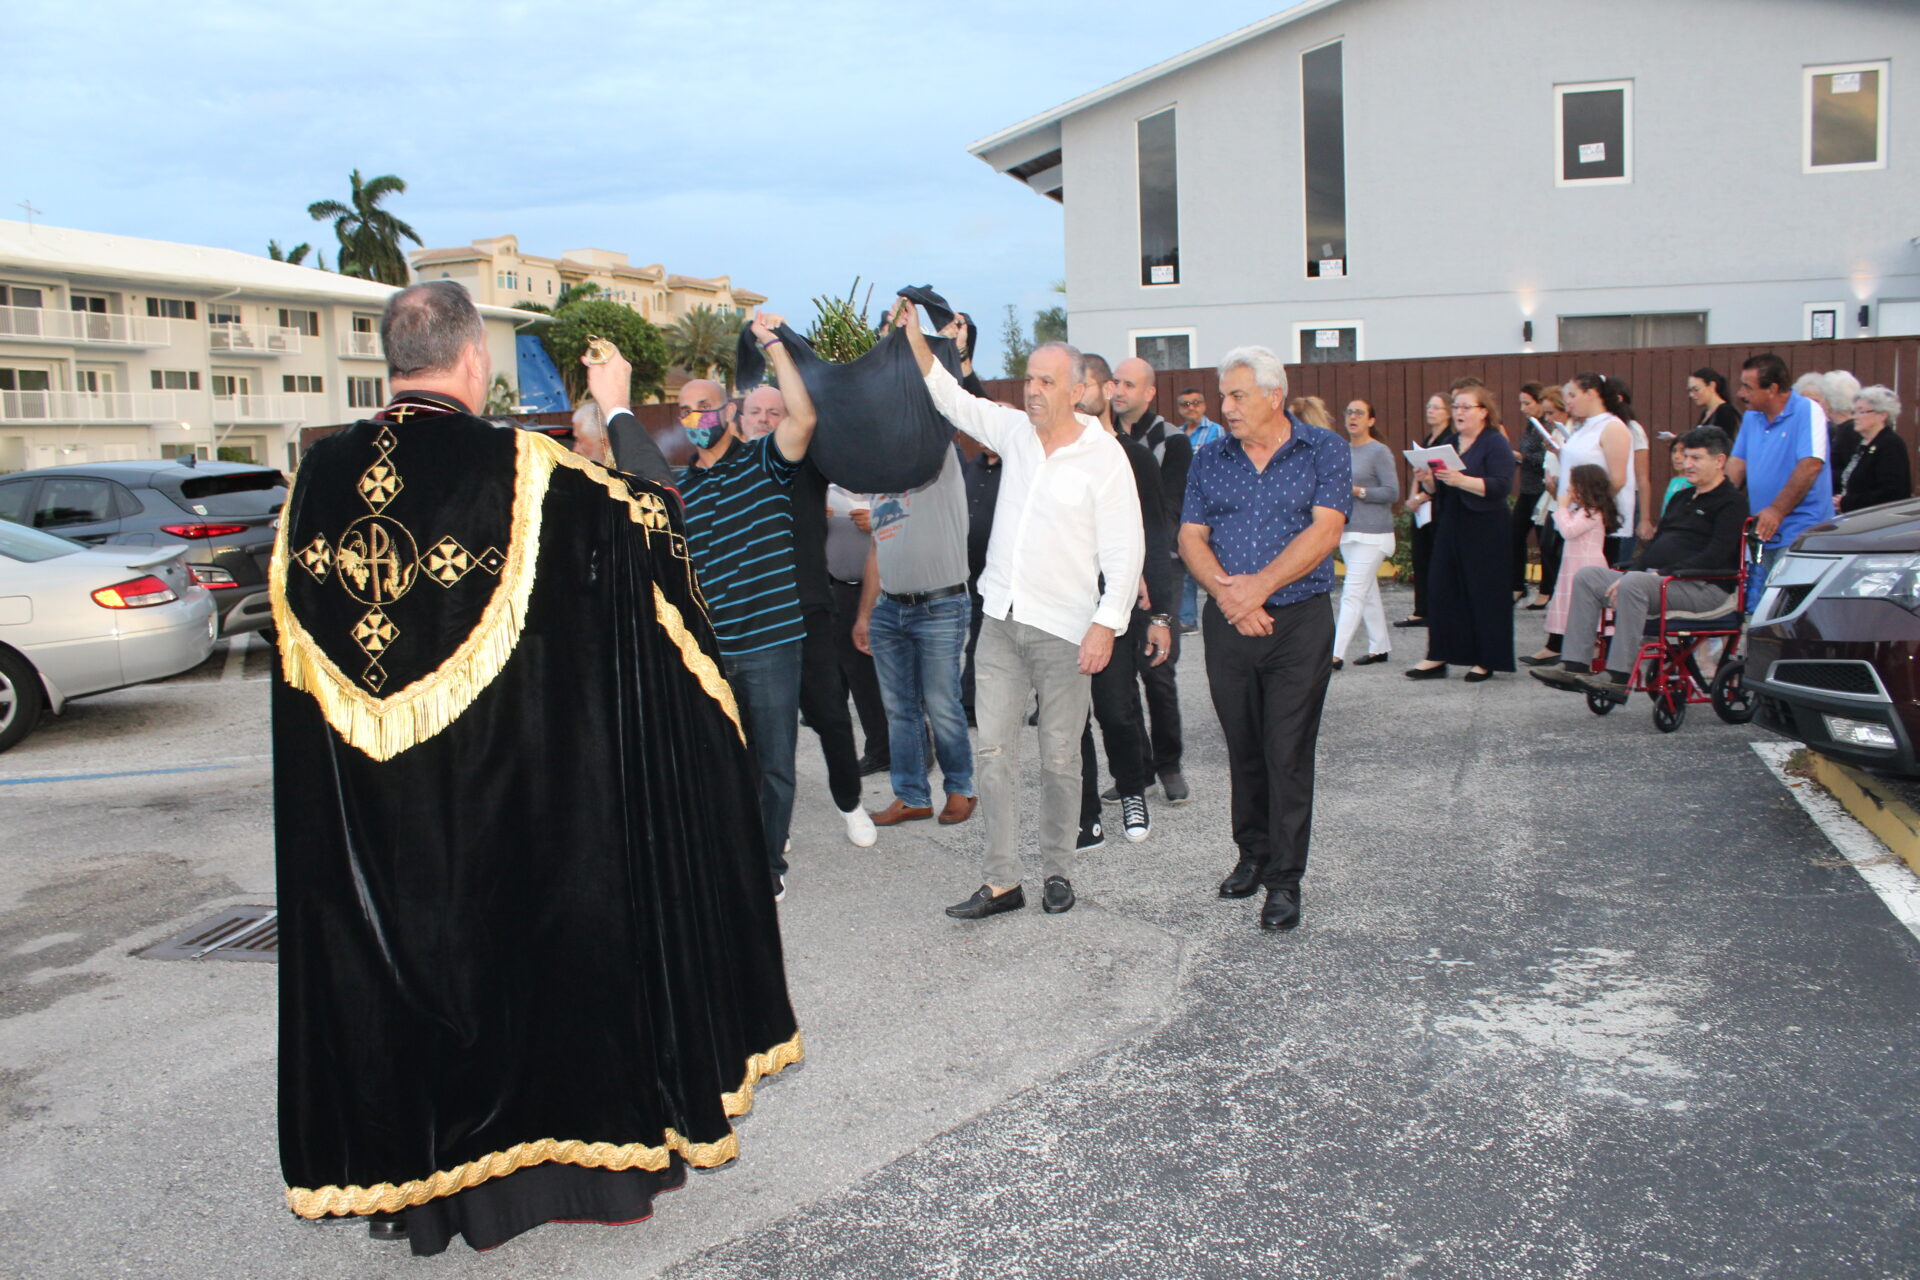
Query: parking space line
{"points": [[129, 773], [1878, 865]]}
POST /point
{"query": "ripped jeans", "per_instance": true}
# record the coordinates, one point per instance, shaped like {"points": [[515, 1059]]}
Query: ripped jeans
{"points": [[1012, 663]]}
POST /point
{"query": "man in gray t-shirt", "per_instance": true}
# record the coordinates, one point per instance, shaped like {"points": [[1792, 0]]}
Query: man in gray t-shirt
{"points": [[914, 611]]}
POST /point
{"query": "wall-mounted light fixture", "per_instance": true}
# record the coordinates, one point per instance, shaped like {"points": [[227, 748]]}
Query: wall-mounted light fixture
{"points": [[1526, 331], [1866, 315]]}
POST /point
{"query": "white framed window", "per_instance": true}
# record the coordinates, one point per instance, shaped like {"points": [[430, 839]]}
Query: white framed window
{"points": [[175, 379], [1843, 117], [224, 313], [1326, 341], [307, 322], [364, 393], [1823, 320], [1157, 173], [173, 308], [1593, 134], [303, 383], [1164, 349]]}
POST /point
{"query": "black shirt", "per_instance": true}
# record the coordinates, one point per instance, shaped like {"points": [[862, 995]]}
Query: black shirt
{"points": [[1725, 417], [1698, 531], [1173, 451], [1155, 526], [983, 495], [1878, 472], [810, 538]]}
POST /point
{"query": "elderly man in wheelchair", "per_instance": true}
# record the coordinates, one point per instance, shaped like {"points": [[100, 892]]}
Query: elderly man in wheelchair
{"points": [[1689, 570]]}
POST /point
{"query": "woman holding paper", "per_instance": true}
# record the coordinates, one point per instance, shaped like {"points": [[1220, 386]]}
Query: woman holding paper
{"points": [[1600, 439], [1368, 539], [1470, 619], [1439, 431]]}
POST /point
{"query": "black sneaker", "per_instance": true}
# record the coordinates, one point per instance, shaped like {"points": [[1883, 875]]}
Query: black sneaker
{"points": [[1133, 815], [1175, 786], [1111, 795], [1091, 837]]}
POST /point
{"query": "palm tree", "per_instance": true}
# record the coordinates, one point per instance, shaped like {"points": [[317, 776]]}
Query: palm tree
{"points": [[293, 257], [369, 236], [702, 341], [581, 292]]}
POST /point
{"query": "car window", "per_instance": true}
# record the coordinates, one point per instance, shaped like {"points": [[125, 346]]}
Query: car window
{"points": [[13, 500], [30, 546], [244, 493], [72, 501], [125, 504]]}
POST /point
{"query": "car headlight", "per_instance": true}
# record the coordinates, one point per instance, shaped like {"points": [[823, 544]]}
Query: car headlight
{"points": [[1894, 578]]}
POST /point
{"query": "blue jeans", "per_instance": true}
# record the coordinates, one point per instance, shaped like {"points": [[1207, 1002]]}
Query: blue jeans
{"points": [[1189, 599], [767, 684], [918, 651]]}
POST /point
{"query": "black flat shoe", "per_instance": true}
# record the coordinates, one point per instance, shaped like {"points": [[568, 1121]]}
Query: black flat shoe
{"points": [[1372, 658], [1528, 660], [870, 764], [1427, 673], [1244, 879], [387, 1226], [1411, 622], [1057, 896], [1536, 606], [985, 902], [1475, 677], [1339, 663], [1281, 911]]}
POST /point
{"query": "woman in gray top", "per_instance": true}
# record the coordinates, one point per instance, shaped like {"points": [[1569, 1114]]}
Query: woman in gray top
{"points": [[1368, 540]]}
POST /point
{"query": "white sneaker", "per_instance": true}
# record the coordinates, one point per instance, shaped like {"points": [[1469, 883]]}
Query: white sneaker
{"points": [[860, 828]]}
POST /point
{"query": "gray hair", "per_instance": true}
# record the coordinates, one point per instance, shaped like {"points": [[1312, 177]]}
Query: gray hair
{"points": [[1077, 362], [1881, 400], [425, 327], [1840, 387], [1813, 386], [1269, 374]]}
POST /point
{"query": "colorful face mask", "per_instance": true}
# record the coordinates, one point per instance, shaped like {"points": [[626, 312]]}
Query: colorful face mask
{"points": [[702, 426]]}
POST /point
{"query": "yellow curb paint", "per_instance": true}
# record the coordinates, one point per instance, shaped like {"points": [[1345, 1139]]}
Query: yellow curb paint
{"points": [[1892, 820]]}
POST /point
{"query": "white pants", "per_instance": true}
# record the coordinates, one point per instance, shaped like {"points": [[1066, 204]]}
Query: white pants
{"points": [[1360, 597]]}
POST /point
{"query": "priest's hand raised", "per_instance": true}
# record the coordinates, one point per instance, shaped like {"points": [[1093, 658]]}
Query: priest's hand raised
{"points": [[610, 383]]}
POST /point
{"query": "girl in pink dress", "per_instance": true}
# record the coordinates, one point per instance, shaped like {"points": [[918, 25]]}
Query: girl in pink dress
{"points": [[1585, 519]]}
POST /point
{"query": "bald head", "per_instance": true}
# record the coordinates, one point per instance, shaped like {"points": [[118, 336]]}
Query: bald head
{"points": [[702, 393], [765, 409], [1133, 389], [590, 434]]}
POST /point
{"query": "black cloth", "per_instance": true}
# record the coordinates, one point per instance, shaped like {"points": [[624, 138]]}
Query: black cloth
{"points": [[863, 682], [1173, 451], [1268, 692], [983, 495], [823, 708], [1551, 547], [1164, 726], [1155, 525], [521, 900], [1469, 604], [1842, 440], [1423, 535], [1879, 471], [876, 430], [499, 1209], [810, 537], [1698, 531], [1531, 481], [1724, 416], [635, 451]]}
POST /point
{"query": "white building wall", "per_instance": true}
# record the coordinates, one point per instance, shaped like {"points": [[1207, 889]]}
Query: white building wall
{"points": [[1457, 232]]}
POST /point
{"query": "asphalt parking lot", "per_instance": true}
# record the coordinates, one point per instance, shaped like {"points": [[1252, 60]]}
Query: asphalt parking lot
{"points": [[1572, 998]]}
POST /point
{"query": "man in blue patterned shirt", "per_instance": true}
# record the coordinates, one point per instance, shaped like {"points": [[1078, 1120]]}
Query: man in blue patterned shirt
{"points": [[1264, 512]]}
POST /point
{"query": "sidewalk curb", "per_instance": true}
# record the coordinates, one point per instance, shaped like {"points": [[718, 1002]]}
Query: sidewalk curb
{"points": [[1892, 820]]}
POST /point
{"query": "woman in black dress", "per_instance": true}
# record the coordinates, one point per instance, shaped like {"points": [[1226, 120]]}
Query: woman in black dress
{"points": [[1470, 610], [1879, 470], [1439, 431]]}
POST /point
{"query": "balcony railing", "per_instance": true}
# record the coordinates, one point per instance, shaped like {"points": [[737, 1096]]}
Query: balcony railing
{"points": [[362, 346], [89, 406], [253, 340], [82, 328], [268, 408]]}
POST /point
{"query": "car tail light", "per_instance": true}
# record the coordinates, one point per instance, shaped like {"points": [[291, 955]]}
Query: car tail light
{"points": [[138, 593], [203, 530], [211, 578]]}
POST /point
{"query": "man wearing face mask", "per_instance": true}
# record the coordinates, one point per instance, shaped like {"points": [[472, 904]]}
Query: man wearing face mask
{"points": [[739, 503]]}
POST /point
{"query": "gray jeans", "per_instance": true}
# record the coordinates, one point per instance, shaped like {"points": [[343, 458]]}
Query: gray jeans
{"points": [[1012, 661], [1638, 597]]}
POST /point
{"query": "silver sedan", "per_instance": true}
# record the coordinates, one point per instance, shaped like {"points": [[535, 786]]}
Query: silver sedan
{"points": [[76, 621]]}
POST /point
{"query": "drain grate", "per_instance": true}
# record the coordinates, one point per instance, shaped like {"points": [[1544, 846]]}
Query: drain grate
{"points": [[237, 933]]}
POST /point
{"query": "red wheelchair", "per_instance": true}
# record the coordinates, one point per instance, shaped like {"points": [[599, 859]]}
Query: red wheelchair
{"points": [[1667, 668]]}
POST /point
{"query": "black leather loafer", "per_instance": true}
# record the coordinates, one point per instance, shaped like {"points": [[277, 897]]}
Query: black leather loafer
{"points": [[1371, 658], [1282, 910], [387, 1226], [871, 764], [1244, 879], [1605, 685], [1058, 895], [1557, 678], [985, 902], [1411, 622]]}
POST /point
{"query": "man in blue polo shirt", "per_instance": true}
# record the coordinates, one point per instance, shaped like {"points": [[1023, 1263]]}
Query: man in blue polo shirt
{"points": [[739, 502], [1780, 458], [1264, 511]]}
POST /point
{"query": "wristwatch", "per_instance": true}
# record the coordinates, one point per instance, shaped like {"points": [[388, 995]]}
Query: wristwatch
{"points": [[1159, 620]]}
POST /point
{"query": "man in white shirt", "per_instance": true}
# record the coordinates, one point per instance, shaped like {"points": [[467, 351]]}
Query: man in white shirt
{"points": [[1067, 515]]}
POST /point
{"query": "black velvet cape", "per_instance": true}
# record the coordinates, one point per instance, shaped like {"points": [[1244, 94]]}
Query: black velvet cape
{"points": [[525, 919], [876, 429]]}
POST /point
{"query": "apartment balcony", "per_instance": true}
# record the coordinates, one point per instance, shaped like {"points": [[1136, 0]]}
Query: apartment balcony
{"points": [[84, 408], [82, 328], [361, 346], [253, 340], [269, 409]]}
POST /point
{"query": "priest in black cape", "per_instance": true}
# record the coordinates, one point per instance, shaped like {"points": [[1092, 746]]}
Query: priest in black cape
{"points": [[529, 966]]}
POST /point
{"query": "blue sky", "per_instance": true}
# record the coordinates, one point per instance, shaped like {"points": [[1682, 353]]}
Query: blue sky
{"points": [[792, 147]]}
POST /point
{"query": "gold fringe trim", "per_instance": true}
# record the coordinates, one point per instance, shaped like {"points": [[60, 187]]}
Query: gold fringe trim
{"points": [[703, 668], [384, 727], [388, 1197]]}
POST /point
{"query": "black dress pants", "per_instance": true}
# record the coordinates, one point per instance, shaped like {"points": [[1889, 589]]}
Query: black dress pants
{"points": [[863, 682], [1522, 518], [1551, 545], [1123, 727], [823, 706], [1422, 558], [1163, 695], [1268, 691]]}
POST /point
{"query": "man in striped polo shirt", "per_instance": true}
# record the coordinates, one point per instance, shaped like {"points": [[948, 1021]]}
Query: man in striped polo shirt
{"points": [[739, 503]]}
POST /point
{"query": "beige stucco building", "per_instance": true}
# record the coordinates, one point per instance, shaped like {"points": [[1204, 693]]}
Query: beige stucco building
{"points": [[496, 272], [113, 347]]}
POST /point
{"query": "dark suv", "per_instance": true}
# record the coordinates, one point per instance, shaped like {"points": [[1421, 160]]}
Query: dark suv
{"points": [[1834, 651], [226, 513]]}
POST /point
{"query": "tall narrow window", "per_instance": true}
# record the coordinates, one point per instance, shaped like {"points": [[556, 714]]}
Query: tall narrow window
{"points": [[1323, 129], [1593, 125], [1159, 201], [1846, 118]]}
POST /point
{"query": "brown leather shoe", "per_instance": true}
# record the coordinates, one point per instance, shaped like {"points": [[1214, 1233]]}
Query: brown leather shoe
{"points": [[898, 812], [959, 809]]}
